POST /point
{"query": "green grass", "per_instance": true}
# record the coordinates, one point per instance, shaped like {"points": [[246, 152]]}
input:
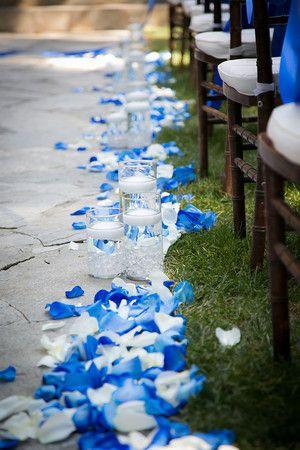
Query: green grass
{"points": [[245, 390]]}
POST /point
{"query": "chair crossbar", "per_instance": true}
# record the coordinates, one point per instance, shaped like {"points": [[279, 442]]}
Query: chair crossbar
{"points": [[248, 170], [286, 257], [287, 214]]}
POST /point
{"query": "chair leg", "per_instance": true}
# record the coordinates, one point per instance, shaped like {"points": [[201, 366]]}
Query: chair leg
{"points": [[171, 38], [259, 222], [227, 170], [202, 118], [192, 59], [236, 151], [277, 270]]}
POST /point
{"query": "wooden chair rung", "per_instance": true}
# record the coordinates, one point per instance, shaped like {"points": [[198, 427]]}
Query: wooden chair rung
{"points": [[291, 264], [209, 85], [245, 134], [287, 214], [215, 112], [246, 168]]}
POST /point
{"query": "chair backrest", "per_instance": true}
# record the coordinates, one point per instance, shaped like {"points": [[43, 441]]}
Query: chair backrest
{"points": [[262, 22]]}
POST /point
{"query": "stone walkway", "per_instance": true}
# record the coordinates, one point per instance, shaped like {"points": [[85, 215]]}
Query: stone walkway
{"points": [[40, 187]]}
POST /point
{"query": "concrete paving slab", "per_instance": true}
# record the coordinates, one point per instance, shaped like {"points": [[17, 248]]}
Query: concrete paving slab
{"points": [[39, 188]]}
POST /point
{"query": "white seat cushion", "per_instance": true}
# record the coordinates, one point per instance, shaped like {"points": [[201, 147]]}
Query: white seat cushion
{"points": [[284, 130], [241, 74], [217, 43], [199, 9], [205, 22], [174, 2], [187, 6]]}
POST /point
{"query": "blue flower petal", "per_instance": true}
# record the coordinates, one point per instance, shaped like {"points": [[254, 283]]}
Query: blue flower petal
{"points": [[81, 211], [59, 310], [183, 292], [104, 187], [112, 175], [61, 146], [8, 374], [75, 292], [79, 225]]}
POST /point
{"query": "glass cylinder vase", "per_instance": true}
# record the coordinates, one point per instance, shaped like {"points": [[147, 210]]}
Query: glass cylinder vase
{"points": [[137, 176], [139, 124], [105, 242], [143, 234]]}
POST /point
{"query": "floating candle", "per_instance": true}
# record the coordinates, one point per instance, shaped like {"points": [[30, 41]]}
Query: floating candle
{"points": [[108, 230], [142, 217], [137, 184]]}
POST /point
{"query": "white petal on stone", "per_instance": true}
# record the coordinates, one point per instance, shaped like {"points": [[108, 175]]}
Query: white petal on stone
{"points": [[47, 361], [102, 395], [84, 325], [21, 425], [228, 338], [54, 325], [165, 171], [73, 246], [137, 440], [57, 348], [13, 404], [147, 360], [58, 427], [143, 340], [166, 322], [129, 287], [106, 202], [158, 276], [131, 416]]}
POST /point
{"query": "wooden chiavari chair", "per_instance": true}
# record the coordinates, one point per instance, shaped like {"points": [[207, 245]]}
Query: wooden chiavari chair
{"points": [[249, 82]]}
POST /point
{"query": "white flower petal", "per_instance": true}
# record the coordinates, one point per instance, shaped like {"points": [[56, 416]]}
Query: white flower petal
{"points": [[73, 246], [228, 338], [84, 325], [54, 325], [169, 213], [21, 425], [165, 171], [56, 428], [102, 395], [47, 361], [190, 443], [166, 322], [13, 404], [131, 416]]}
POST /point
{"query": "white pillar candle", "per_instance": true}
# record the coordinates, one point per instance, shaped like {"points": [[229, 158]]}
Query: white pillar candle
{"points": [[137, 184], [141, 217], [109, 230]]}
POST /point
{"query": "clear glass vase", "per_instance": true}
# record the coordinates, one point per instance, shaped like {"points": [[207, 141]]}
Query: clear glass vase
{"points": [[143, 234], [105, 242], [137, 176], [139, 124], [117, 126]]}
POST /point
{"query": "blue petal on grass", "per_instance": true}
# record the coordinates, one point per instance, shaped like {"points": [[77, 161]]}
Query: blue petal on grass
{"points": [[8, 374], [75, 292], [191, 219]]}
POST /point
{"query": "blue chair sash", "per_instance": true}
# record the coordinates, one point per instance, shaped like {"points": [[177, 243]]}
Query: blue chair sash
{"points": [[289, 78]]}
